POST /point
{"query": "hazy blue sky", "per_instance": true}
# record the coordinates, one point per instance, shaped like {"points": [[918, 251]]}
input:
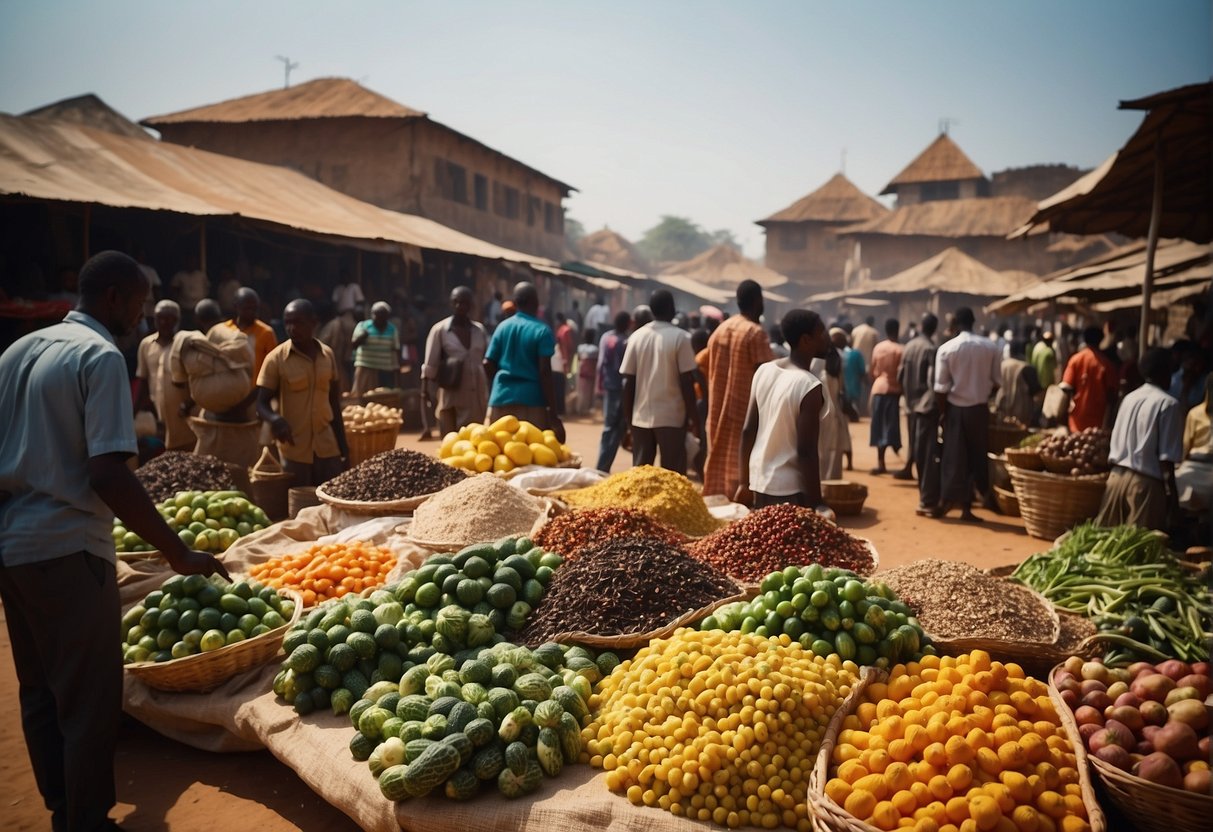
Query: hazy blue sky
{"points": [[723, 112]]}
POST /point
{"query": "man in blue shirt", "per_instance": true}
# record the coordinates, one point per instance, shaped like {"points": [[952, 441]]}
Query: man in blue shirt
{"points": [[68, 432], [519, 366], [610, 356]]}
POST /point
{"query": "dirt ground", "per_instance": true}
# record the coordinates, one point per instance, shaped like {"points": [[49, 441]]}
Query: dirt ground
{"points": [[163, 784]]}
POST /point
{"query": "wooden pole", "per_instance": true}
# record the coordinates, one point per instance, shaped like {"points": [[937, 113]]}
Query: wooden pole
{"points": [[202, 246], [1147, 288]]}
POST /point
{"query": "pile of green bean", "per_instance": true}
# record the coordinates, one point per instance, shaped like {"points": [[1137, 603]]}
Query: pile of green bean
{"points": [[1146, 605]]}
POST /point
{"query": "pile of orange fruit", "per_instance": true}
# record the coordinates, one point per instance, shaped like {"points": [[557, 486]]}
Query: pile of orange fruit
{"points": [[957, 744], [328, 570]]}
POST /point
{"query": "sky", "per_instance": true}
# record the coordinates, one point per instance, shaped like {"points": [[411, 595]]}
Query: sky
{"points": [[720, 112]]}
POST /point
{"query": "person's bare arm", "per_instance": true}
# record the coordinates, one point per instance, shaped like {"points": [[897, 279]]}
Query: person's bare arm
{"points": [[338, 420], [279, 427], [749, 433], [686, 382], [808, 426], [547, 383], [109, 476]]}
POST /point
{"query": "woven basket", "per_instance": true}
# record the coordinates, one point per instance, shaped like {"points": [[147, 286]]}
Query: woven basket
{"points": [[1006, 436], [364, 444], [843, 496], [1057, 464], [299, 498], [1148, 806], [1023, 653], [203, 672], [1051, 503], [385, 508], [1008, 503], [1027, 459], [827, 816]]}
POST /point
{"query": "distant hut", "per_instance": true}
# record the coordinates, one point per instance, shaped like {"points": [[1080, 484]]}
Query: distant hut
{"points": [[720, 270], [611, 248], [800, 239]]}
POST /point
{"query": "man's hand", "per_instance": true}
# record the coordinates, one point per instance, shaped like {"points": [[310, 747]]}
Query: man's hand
{"points": [[626, 441], [558, 429], [198, 563], [281, 430], [826, 512], [744, 495]]}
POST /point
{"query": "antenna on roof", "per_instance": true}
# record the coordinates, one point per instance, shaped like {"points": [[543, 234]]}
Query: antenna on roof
{"points": [[946, 123], [287, 65]]}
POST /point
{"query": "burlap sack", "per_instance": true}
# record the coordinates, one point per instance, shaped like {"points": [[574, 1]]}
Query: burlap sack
{"points": [[234, 442]]}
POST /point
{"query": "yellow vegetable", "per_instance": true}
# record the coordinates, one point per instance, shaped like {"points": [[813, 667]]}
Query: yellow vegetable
{"points": [[533, 434], [506, 423], [518, 453], [501, 437], [489, 447], [462, 447], [503, 464], [483, 462], [542, 455]]}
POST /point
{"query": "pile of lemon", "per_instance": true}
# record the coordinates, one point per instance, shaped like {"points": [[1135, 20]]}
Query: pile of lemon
{"points": [[506, 444], [957, 743], [717, 726]]}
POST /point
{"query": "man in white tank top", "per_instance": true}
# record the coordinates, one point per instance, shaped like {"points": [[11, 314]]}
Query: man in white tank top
{"points": [[779, 462]]}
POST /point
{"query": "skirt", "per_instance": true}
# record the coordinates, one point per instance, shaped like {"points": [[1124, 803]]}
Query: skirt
{"points": [[886, 421]]}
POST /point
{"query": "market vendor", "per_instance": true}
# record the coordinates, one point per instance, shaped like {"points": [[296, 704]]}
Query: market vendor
{"points": [[1194, 476], [68, 433], [519, 366], [376, 345], [1147, 443], [301, 374], [454, 365]]}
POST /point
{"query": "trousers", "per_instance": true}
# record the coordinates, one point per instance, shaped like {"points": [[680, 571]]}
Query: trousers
{"points": [[671, 442]]}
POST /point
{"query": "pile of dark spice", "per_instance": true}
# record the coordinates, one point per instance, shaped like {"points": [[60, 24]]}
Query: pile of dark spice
{"points": [[624, 586], [776, 537], [393, 475], [567, 534], [175, 471]]}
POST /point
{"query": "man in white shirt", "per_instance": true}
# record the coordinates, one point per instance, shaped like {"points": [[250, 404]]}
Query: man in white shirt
{"points": [[348, 297], [968, 370], [658, 389], [1147, 444], [597, 318], [864, 338]]}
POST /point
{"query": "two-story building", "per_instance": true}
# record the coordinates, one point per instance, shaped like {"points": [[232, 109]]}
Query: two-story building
{"points": [[368, 146]]}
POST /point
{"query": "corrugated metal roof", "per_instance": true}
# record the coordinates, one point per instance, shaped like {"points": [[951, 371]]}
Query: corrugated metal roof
{"points": [[321, 98], [838, 200], [942, 161], [90, 111], [53, 160], [995, 216]]}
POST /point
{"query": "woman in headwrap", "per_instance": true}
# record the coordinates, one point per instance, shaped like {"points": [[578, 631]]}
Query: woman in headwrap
{"points": [[376, 351]]}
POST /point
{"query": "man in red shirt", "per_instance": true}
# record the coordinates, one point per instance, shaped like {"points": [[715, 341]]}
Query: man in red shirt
{"points": [[1091, 379]]}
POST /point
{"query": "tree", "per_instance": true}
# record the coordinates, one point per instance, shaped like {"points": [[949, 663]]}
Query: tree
{"points": [[672, 239], [724, 236], [573, 232]]}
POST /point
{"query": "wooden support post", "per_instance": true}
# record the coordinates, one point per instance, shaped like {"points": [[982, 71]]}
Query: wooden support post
{"points": [[1147, 287]]}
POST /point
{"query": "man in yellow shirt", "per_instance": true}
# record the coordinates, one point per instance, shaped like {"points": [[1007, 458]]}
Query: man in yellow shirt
{"points": [[302, 374]]}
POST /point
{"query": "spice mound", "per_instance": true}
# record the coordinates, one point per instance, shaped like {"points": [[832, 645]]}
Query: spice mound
{"points": [[393, 475], [956, 600], [477, 510], [776, 537], [568, 533], [622, 587], [667, 496], [175, 471]]}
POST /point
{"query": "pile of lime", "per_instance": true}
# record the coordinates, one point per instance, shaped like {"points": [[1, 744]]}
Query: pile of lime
{"points": [[190, 614], [209, 521]]}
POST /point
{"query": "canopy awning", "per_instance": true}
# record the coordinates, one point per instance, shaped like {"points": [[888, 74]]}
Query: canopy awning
{"points": [[59, 161]]}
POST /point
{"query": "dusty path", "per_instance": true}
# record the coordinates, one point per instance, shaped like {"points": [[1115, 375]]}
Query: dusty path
{"points": [[163, 784]]}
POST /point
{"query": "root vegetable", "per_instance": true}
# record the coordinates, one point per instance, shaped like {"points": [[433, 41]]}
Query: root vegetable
{"points": [[1128, 716], [1177, 740], [1117, 689], [1114, 755], [1180, 694], [1198, 781], [1173, 669], [1095, 671], [1154, 713], [1161, 769], [1153, 686], [1201, 683], [1086, 715], [1092, 685], [1097, 699], [1190, 712]]}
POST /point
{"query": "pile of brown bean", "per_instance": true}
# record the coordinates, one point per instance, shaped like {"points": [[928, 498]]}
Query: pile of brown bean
{"points": [[175, 471], [568, 533], [393, 475], [955, 600], [625, 586], [776, 537]]}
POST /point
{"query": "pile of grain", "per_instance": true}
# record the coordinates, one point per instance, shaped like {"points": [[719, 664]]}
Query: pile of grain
{"points": [[568, 533], [175, 471], [478, 509], [393, 475], [667, 496], [956, 600], [624, 586]]}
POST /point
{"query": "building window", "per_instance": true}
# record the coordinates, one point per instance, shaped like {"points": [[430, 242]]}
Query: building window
{"points": [[551, 221], [505, 201], [794, 238], [533, 205], [451, 180], [480, 188], [440, 184], [929, 191]]}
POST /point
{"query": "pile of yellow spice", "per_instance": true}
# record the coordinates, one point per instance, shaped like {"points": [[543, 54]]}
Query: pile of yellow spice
{"points": [[665, 495]]}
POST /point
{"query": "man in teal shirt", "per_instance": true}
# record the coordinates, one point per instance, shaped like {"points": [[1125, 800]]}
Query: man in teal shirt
{"points": [[519, 366]]}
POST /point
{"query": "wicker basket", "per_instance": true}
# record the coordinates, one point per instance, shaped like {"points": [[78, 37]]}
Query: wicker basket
{"points": [[270, 486], [1006, 436], [1051, 503], [1057, 464], [299, 498], [1027, 459], [364, 444], [385, 508], [203, 672], [843, 496], [1024, 653], [1148, 806], [1008, 503]]}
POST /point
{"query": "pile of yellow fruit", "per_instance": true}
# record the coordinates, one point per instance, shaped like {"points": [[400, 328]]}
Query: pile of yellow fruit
{"points": [[502, 446], [957, 744], [717, 726]]}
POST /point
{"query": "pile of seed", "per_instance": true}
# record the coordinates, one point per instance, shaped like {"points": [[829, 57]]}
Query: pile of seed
{"points": [[393, 475], [667, 496], [625, 586], [568, 533], [175, 471], [956, 600], [779, 536], [477, 509], [1074, 630]]}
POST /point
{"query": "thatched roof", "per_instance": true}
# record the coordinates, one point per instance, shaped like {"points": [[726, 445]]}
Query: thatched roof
{"points": [[995, 216], [90, 111], [949, 272], [613, 249], [838, 200], [723, 266], [942, 161], [321, 98]]}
